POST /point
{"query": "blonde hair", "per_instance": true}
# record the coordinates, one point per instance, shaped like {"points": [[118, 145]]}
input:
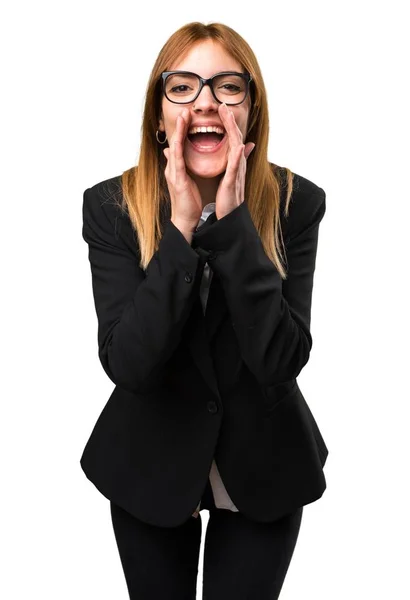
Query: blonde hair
{"points": [[144, 188]]}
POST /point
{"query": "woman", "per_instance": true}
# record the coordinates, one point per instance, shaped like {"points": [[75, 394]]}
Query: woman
{"points": [[202, 262]]}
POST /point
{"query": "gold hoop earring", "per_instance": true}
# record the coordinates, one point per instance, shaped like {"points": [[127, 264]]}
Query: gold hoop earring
{"points": [[158, 140]]}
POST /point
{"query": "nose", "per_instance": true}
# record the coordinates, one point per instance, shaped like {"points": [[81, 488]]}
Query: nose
{"points": [[205, 100]]}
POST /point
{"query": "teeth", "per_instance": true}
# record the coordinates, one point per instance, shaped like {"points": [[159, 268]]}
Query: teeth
{"points": [[208, 129]]}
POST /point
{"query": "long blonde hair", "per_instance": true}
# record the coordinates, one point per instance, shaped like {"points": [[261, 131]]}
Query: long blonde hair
{"points": [[144, 189]]}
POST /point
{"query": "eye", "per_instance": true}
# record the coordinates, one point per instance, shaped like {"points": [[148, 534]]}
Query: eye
{"points": [[231, 87], [177, 88]]}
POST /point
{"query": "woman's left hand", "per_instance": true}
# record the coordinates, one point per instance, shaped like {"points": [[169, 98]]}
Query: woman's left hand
{"points": [[231, 190]]}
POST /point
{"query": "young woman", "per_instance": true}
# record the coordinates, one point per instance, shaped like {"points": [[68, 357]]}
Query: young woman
{"points": [[202, 260]]}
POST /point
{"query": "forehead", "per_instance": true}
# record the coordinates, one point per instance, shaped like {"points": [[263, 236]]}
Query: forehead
{"points": [[206, 58]]}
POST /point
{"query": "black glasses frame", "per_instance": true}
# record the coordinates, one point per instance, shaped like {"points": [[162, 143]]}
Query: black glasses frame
{"points": [[246, 76]]}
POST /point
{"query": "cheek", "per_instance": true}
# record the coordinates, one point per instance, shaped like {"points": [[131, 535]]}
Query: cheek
{"points": [[169, 121], [241, 122], [170, 126]]}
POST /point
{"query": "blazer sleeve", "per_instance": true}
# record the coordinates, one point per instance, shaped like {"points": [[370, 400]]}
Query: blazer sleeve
{"points": [[270, 316], [140, 314]]}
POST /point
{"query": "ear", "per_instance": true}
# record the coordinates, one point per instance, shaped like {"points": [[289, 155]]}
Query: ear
{"points": [[161, 125]]}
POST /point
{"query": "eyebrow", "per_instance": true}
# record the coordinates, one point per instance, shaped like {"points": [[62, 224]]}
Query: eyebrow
{"points": [[217, 72]]}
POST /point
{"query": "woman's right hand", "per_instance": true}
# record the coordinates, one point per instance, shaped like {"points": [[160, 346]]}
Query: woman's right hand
{"points": [[186, 202]]}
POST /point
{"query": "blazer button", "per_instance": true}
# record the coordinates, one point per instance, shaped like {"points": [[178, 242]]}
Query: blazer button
{"points": [[188, 277], [212, 406]]}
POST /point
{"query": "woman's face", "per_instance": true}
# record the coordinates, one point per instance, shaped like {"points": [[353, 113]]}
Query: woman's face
{"points": [[205, 59]]}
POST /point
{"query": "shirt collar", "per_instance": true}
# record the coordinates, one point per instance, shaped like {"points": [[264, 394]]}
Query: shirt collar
{"points": [[206, 211]]}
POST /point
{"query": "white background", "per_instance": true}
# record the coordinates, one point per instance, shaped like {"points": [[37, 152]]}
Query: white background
{"points": [[74, 78]]}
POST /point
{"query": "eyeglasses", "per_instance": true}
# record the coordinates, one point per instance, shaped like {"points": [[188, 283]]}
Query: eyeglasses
{"points": [[183, 87]]}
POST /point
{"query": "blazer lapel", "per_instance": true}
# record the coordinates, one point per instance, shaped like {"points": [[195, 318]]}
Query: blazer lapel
{"points": [[216, 307], [201, 328]]}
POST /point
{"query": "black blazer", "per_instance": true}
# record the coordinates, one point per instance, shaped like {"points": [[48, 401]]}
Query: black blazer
{"points": [[190, 387]]}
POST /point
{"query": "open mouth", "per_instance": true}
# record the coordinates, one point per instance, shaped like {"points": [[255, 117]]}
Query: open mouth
{"points": [[206, 142]]}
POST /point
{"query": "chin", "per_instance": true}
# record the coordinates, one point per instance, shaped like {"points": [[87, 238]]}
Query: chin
{"points": [[207, 168]]}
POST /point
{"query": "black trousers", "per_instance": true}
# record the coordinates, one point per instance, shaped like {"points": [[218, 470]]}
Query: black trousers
{"points": [[243, 560]]}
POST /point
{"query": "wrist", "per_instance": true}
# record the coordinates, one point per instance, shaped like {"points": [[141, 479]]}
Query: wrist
{"points": [[186, 229], [185, 225]]}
